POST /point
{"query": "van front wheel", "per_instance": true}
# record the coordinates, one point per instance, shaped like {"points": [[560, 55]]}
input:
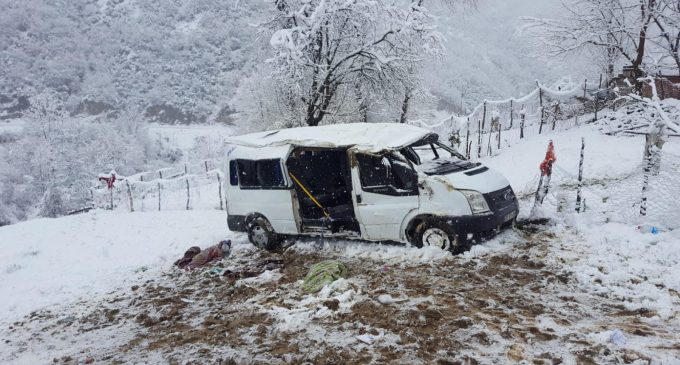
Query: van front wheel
{"points": [[439, 235], [262, 235]]}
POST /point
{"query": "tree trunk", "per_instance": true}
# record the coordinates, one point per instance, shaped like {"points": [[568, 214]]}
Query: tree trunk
{"points": [[404, 106], [653, 144], [646, 16]]}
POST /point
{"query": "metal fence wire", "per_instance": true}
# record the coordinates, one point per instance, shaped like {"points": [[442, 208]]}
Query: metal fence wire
{"points": [[197, 186], [619, 198]]}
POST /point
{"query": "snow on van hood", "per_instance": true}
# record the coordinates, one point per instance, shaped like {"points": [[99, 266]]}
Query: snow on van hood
{"points": [[371, 135], [479, 178]]}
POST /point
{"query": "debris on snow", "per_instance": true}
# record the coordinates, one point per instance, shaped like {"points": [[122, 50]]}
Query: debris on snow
{"points": [[370, 339]]}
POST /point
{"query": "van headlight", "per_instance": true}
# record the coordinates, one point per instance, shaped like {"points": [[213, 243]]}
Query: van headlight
{"points": [[476, 200]]}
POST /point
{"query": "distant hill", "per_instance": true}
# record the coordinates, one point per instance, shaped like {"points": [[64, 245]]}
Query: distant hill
{"points": [[182, 61]]}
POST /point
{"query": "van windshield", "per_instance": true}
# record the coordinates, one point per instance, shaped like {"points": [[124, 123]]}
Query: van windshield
{"points": [[435, 158]]}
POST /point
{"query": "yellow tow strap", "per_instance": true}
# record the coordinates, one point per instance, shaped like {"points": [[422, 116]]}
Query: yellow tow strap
{"points": [[325, 212]]}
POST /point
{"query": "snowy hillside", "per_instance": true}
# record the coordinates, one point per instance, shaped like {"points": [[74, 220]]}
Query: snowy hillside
{"points": [[184, 62]]}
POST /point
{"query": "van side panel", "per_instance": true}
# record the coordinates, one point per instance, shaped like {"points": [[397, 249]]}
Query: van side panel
{"points": [[275, 205]]}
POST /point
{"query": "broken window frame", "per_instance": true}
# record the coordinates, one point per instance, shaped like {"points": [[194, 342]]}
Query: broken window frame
{"points": [[412, 151], [390, 187]]}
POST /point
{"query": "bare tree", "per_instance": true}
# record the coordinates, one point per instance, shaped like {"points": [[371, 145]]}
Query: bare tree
{"points": [[614, 29], [667, 19]]}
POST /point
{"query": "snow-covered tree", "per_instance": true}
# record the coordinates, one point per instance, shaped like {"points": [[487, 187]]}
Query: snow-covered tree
{"points": [[181, 58], [48, 171], [667, 19], [614, 30], [333, 58]]}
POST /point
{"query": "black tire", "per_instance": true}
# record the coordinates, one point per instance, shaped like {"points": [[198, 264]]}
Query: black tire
{"points": [[262, 235], [438, 234]]}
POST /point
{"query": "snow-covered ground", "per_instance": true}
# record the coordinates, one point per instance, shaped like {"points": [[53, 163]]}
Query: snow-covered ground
{"points": [[606, 156], [50, 261], [14, 126], [184, 136], [585, 288]]}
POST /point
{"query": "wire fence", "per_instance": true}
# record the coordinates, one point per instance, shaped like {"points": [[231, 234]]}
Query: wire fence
{"points": [[182, 187], [620, 198], [496, 124]]}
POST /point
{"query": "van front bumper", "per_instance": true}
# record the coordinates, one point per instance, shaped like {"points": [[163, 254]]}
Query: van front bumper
{"points": [[504, 210], [481, 226]]}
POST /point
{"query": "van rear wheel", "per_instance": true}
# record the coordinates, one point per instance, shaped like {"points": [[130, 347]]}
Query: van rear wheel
{"points": [[439, 235], [262, 235]]}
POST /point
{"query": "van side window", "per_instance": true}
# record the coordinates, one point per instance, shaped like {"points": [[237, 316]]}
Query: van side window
{"points": [[260, 174], [233, 173], [386, 175]]}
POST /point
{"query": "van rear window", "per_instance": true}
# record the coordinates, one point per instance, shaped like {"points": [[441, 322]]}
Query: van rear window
{"points": [[260, 174]]}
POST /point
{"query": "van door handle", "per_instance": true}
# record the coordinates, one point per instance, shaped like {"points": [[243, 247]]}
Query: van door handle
{"points": [[358, 198]]}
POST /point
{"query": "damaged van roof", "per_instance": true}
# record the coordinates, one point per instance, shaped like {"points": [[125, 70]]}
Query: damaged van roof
{"points": [[372, 135]]}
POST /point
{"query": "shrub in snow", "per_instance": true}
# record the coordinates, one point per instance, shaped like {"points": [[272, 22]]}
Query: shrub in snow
{"points": [[50, 169], [52, 204]]}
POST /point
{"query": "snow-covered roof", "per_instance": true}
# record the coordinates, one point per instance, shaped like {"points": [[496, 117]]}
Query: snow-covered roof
{"points": [[371, 135]]}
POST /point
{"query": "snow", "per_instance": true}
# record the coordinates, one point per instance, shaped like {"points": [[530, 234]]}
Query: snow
{"points": [[11, 126], [184, 136], [378, 135], [49, 261], [605, 156], [388, 299], [615, 259], [383, 252]]}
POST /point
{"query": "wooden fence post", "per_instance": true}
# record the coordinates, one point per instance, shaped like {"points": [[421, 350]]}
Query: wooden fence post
{"points": [[585, 85], [556, 112], [580, 177], [160, 174], [479, 139], [488, 149], [129, 192], [645, 184], [500, 127], [188, 195], [159, 196], [467, 139], [219, 182], [484, 115], [186, 171], [522, 115], [511, 114], [540, 99], [206, 165]]}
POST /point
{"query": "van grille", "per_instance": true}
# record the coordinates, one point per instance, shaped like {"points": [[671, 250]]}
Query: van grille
{"points": [[501, 199]]}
